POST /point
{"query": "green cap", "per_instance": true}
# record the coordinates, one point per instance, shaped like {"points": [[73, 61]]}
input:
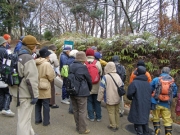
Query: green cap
{"points": [[2, 40]]}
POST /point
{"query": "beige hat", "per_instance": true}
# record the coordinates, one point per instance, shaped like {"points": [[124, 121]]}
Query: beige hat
{"points": [[81, 56], [73, 53]]}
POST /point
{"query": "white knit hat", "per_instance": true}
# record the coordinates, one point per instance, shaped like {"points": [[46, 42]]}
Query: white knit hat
{"points": [[73, 53]]}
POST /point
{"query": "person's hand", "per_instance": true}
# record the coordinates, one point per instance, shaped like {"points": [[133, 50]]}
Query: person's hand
{"points": [[34, 100]]}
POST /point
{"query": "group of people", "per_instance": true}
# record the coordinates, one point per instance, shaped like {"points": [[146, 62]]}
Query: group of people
{"points": [[37, 88]]}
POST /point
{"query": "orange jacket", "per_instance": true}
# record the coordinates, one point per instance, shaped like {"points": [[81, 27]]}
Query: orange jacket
{"points": [[134, 76]]}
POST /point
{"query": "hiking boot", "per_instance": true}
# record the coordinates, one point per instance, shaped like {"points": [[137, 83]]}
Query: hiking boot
{"points": [[85, 132], [54, 106], [90, 119], [112, 129], [8, 113], [65, 101]]}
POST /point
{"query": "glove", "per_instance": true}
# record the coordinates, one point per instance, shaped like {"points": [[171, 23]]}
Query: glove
{"points": [[34, 100]]}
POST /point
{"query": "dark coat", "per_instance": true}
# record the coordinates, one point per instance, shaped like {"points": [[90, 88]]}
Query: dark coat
{"points": [[139, 91], [81, 72], [3, 54], [70, 60]]}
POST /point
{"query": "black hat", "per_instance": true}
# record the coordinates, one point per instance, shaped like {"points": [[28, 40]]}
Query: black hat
{"points": [[141, 63], [44, 53], [141, 70]]}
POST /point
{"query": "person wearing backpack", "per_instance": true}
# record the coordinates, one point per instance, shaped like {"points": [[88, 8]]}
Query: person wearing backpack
{"points": [[122, 73], [83, 86], [139, 91], [108, 92], [46, 76], [19, 44], [162, 107], [63, 61], [95, 71], [26, 94], [133, 74], [71, 59], [5, 97]]}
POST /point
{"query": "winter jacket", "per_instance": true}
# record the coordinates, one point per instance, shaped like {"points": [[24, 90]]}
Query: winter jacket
{"points": [[70, 60], [139, 91], [46, 72], [133, 75], [103, 63], [18, 46], [154, 82], [28, 71], [108, 89], [177, 109], [84, 85], [53, 59], [63, 59], [3, 54], [95, 87]]}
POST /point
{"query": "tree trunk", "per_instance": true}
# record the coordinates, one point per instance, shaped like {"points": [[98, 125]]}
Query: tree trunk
{"points": [[179, 12]]}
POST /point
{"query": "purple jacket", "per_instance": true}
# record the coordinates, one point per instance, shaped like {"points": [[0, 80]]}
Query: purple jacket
{"points": [[177, 110]]}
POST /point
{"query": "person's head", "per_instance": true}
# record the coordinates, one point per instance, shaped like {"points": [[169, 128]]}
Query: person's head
{"points": [[89, 52], [73, 53], [97, 55], [141, 70], [67, 50], [141, 63], [52, 47], [110, 68], [165, 70], [115, 58], [44, 53], [2, 41], [94, 48], [31, 42], [81, 56], [7, 37]]}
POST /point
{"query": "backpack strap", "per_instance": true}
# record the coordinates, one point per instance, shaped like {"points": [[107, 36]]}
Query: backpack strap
{"points": [[94, 62]]}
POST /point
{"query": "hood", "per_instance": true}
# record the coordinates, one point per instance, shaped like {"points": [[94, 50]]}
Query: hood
{"points": [[141, 77], [110, 68], [24, 50], [115, 58], [40, 60]]}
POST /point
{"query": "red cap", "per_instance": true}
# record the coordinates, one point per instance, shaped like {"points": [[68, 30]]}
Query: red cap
{"points": [[89, 52], [6, 36]]}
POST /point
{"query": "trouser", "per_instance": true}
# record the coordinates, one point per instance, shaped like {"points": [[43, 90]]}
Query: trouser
{"points": [[5, 98], [64, 92], [46, 111], [121, 107], [141, 129], [165, 113], [24, 112], [93, 106], [70, 107], [52, 99], [80, 112], [113, 112]]}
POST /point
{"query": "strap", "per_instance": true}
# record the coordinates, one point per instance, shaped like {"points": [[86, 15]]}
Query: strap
{"points": [[113, 80], [94, 62]]}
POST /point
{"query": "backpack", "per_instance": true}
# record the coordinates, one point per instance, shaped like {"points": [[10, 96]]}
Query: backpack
{"points": [[121, 71], [9, 72], [93, 71], [64, 71], [70, 87], [163, 89]]}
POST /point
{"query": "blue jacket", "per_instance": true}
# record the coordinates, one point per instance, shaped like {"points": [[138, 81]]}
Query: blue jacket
{"points": [[153, 85], [18, 46], [63, 59], [70, 60]]}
